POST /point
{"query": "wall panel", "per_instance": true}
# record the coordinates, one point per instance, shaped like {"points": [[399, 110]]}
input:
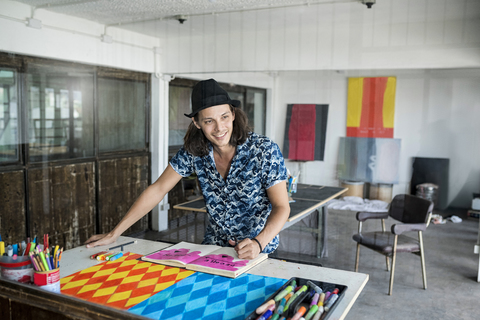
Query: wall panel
{"points": [[121, 181], [62, 203], [12, 206]]}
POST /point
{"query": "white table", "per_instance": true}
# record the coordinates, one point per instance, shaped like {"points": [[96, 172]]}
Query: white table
{"points": [[79, 258]]}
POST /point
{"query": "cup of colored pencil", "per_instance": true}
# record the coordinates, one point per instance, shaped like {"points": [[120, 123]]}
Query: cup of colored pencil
{"points": [[46, 263]]}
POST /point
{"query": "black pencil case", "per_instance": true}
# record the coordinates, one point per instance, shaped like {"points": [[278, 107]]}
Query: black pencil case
{"points": [[305, 298]]}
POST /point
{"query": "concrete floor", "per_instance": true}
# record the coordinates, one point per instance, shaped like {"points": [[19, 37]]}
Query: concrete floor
{"points": [[453, 291]]}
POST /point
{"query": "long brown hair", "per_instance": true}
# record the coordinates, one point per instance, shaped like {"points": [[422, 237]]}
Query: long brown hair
{"points": [[197, 144]]}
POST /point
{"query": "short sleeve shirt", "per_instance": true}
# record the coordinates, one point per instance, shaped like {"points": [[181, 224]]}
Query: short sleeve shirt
{"points": [[238, 206]]}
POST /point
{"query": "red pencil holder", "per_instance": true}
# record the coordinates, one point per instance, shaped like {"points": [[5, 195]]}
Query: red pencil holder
{"points": [[48, 280]]}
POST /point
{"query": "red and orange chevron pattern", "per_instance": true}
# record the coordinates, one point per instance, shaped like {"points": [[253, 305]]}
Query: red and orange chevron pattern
{"points": [[121, 283]]}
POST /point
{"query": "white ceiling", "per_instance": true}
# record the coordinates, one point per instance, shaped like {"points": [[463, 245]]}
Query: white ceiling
{"points": [[148, 16]]}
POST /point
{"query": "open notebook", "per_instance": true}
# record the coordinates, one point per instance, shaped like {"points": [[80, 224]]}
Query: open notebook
{"points": [[212, 259]]}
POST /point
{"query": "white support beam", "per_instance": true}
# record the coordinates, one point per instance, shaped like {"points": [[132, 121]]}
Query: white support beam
{"points": [[159, 143]]}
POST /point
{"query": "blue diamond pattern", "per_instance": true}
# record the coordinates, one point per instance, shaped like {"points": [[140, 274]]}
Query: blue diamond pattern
{"points": [[237, 300], [209, 297], [217, 296], [203, 292]]}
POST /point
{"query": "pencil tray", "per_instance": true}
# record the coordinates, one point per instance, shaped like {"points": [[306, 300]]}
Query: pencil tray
{"points": [[305, 298]]}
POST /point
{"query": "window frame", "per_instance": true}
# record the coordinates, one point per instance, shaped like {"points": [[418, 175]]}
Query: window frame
{"points": [[229, 87]]}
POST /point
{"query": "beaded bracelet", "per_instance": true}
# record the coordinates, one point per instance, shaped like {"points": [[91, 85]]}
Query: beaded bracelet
{"points": [[254, 239]]}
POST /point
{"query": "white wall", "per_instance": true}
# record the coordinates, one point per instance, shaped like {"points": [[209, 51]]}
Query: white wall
{"points": [[72, 39], [347, 36], [437, 114]]}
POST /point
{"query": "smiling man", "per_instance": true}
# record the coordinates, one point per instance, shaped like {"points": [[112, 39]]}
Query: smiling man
{"points": [[242, 176]]}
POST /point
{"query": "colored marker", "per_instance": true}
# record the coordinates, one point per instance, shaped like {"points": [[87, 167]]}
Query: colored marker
{"points": [[321, 299], [115, 257], [15, 248], [283, 293], [311, 312], [94, 256], [110, 256], [281, 306], [27, 249], [295, 296], [294, 284], [330, 303], [102, 257], [266, 315], [314, 300], [315, 287], [2, 248], [318, 314], [327, 295], [264, 306], [320, 307], [9, 250], [299, 313], [42, 258], [309, 295], [335, 291], [275, 316], [49, 261]]}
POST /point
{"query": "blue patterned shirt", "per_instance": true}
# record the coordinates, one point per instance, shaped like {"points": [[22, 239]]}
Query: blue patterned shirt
{"points": [[238, 206]]}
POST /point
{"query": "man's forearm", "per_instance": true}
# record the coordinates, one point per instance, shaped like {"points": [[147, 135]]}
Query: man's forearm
{"points": [[275, 222]]}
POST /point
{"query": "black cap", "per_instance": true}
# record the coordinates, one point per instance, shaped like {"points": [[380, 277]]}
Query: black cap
{"points": [[208, 93]]}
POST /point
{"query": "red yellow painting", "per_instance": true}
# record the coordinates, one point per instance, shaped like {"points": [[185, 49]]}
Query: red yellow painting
{"points": [[371, 107]]}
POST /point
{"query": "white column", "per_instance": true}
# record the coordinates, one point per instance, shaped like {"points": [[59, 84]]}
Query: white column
{"points": [[272, 100], [159, 143]]}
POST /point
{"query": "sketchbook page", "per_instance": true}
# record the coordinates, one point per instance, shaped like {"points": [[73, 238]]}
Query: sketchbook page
{"points": [[224, 262], [180, 254]]}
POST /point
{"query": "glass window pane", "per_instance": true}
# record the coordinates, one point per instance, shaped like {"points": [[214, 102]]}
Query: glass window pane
{"points": [[121, 111], [9, 139], [238, 96], [255, 108], [60, 113], [179, 104]]}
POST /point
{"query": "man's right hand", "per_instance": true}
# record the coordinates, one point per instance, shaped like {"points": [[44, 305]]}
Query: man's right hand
{"points": [[100, 240]]}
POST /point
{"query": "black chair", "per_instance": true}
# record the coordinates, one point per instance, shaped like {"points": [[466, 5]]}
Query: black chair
{"points": [[414, 214]]}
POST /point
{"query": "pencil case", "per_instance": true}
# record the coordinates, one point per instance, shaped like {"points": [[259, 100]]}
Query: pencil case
{"points": [[305, 298]]}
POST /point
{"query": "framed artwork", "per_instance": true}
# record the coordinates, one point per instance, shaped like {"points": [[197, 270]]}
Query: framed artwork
{"points": [[371, 107], [305, 132]]}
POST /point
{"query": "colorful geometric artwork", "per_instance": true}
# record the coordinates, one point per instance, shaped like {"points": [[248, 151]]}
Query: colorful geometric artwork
{"points": [[122, 283], [305, 132], [372, 160], [207, 296], [371, 107]]}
